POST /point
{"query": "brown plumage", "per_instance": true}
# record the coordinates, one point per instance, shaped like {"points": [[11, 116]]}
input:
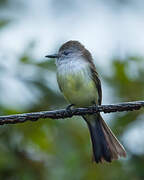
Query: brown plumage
{"points": [[105, 144], [71, 44]]}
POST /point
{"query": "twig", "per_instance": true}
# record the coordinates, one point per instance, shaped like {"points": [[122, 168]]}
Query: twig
{"points": [[63, 113]]}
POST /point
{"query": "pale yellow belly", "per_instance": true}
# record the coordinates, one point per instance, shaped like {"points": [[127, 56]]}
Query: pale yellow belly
{"points": [[78, 88]]}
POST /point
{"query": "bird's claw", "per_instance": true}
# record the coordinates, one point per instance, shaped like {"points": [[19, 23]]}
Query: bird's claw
{"points": [[68, 109]]}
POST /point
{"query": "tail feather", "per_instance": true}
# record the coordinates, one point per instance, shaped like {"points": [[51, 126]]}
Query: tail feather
{"points": [[116, 146], [105, 145]]}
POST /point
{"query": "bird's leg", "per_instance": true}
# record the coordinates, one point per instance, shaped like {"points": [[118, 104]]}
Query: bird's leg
{"points": [[94, 105], [68, 108]]}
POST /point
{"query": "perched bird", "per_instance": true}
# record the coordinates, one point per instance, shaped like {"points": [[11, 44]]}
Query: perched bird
{"points": [[79, 82]]}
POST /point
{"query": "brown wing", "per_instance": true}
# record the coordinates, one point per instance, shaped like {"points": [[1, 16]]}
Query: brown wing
{"points": [[97, 83], [94, 74]]}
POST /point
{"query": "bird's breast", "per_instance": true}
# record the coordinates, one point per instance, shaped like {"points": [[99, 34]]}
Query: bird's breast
{"points": [[75, 81]]}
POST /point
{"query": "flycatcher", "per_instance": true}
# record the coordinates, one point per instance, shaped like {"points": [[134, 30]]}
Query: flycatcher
{"points": [[79, 82]]}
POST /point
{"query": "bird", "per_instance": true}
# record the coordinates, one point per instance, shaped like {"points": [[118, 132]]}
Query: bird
{"points": [[80, 84]]}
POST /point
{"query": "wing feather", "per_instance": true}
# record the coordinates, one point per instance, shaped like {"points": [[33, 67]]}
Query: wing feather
{"points": [[94, 74]]}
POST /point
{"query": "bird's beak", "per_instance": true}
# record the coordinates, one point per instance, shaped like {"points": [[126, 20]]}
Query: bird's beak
{"points": [[52, 56]]}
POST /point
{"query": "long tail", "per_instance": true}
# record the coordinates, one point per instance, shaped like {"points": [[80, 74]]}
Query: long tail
{"points": [[105, 145]]}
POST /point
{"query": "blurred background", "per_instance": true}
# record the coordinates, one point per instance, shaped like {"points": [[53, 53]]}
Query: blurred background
{"points": [[61, 149]]}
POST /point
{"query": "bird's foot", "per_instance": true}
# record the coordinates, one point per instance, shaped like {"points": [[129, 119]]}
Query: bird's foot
{"points": [[94, 106], [68, 109]]}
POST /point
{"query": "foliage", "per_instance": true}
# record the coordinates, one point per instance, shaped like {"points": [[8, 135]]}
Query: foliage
{"points": [[61, 149]]}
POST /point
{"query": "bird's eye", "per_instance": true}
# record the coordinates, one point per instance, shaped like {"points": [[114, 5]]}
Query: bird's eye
{"points": [[66, 53]]}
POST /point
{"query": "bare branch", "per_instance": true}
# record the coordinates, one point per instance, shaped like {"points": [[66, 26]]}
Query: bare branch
{"points": [[63, 113]]}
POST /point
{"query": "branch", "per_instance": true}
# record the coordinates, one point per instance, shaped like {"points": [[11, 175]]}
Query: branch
{"points": [[63, 113]]}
